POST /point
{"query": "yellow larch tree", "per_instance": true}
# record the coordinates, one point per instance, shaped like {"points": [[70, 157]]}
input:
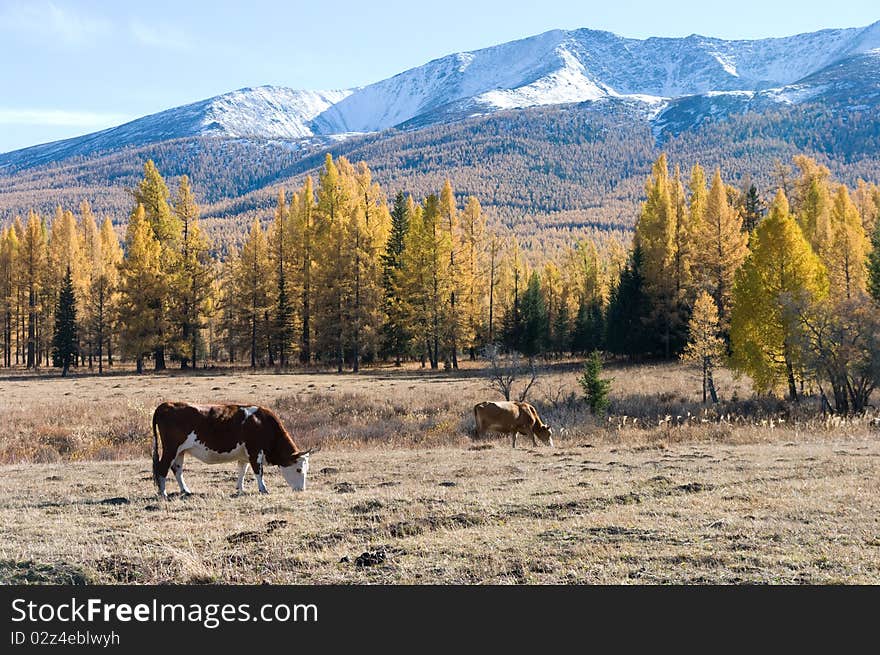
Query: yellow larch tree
{"points": [[722, 247], [846, 259], [472, 276], [781, 275], [142, 289]]}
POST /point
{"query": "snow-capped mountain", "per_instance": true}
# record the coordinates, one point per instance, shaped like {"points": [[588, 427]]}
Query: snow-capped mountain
{"points": [[677, 83], [264, 112], [583, 65]]}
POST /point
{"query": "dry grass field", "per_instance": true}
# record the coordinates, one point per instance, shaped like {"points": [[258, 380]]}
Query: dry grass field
{"points": [[658, 492]]}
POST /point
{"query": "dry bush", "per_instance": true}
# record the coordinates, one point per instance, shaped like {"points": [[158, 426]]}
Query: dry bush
{"points": [[404, 407]]}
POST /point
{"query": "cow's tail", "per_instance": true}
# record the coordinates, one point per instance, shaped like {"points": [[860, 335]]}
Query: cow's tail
{"points": [[155, 450]]}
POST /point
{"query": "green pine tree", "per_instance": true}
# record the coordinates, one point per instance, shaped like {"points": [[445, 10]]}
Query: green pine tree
{"points": [[589, 327], [535, 323], [596, 388], [395, 336], [753, 210], [874, 264], [628, 311], [64, 339]]}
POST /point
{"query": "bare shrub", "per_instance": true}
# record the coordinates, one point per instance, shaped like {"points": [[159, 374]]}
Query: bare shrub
{"points": [[506, 369]]}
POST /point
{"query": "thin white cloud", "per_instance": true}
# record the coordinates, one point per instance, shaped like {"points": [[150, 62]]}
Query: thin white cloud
{"points": [[60, 117], [47, 21], [160, 36]]}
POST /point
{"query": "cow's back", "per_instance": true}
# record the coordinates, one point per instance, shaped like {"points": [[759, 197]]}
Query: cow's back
{"points": [[502, 415], [215, 421]]}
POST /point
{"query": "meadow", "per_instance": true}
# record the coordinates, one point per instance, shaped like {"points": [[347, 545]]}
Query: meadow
{"points": [[659, 491]]}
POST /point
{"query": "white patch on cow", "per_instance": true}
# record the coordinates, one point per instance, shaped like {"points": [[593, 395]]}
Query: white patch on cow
{"points": [[248, 412], [242, 470], [201, 452], [177, 467], [296, 473], [259, 472]]}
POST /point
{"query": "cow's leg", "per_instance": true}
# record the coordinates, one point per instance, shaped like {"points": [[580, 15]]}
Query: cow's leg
{"points": [[534, 440], [514, 438], [257, 465], [177, 467], [162, 471], [242, 470]]}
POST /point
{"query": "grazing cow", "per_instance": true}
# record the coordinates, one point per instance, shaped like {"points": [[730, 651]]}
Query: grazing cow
{"points": [[510, 417], [215, 434]]}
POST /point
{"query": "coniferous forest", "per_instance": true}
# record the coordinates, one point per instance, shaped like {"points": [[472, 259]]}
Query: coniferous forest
{"points": [[783, 289]]}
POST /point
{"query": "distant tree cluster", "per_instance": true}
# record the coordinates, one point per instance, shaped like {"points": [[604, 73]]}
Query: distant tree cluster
{"points": [[786, 296], [339, 277], [550, 176]]}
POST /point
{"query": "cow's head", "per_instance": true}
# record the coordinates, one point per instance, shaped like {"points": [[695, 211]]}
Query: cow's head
{"points": [[545, 433], [295, 473]]}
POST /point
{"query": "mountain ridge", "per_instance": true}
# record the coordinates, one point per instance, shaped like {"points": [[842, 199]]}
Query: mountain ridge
{"points": [[557, 152], [554, 67]]}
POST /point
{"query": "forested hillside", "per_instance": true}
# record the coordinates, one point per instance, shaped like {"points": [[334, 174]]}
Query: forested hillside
{"points": [[785, 289], [553, 174]]}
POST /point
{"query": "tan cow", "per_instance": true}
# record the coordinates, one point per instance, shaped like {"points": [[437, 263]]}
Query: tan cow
{"points": [[511, 417]]}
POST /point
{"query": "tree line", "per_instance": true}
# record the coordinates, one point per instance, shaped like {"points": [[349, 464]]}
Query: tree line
{"points": [[339, 277], [788, 294], [343, 276]]}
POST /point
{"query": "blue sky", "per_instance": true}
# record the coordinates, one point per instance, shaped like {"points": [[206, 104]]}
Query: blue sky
{"points": [[75, 66]]}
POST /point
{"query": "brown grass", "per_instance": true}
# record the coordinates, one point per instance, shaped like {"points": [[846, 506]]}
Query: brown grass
{"points": [[662, 490], [49, 419], [784, 512]]}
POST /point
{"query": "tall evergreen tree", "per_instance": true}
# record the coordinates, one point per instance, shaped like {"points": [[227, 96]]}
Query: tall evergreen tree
{"points": [[874, 264], [589, 327], [64, 337], [512, 324], [535, 324], [628, 311], [753, 209], [561, 334], [394, 333], [305, 235], [281, 256]]}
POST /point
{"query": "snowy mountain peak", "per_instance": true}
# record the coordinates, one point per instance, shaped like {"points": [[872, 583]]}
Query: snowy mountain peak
{"points": [[583, 65], [267, 111], [675, 80]]}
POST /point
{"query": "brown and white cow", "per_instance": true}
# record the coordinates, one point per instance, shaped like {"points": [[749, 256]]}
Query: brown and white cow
{"points": [[511, 417], [246, 434]]}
